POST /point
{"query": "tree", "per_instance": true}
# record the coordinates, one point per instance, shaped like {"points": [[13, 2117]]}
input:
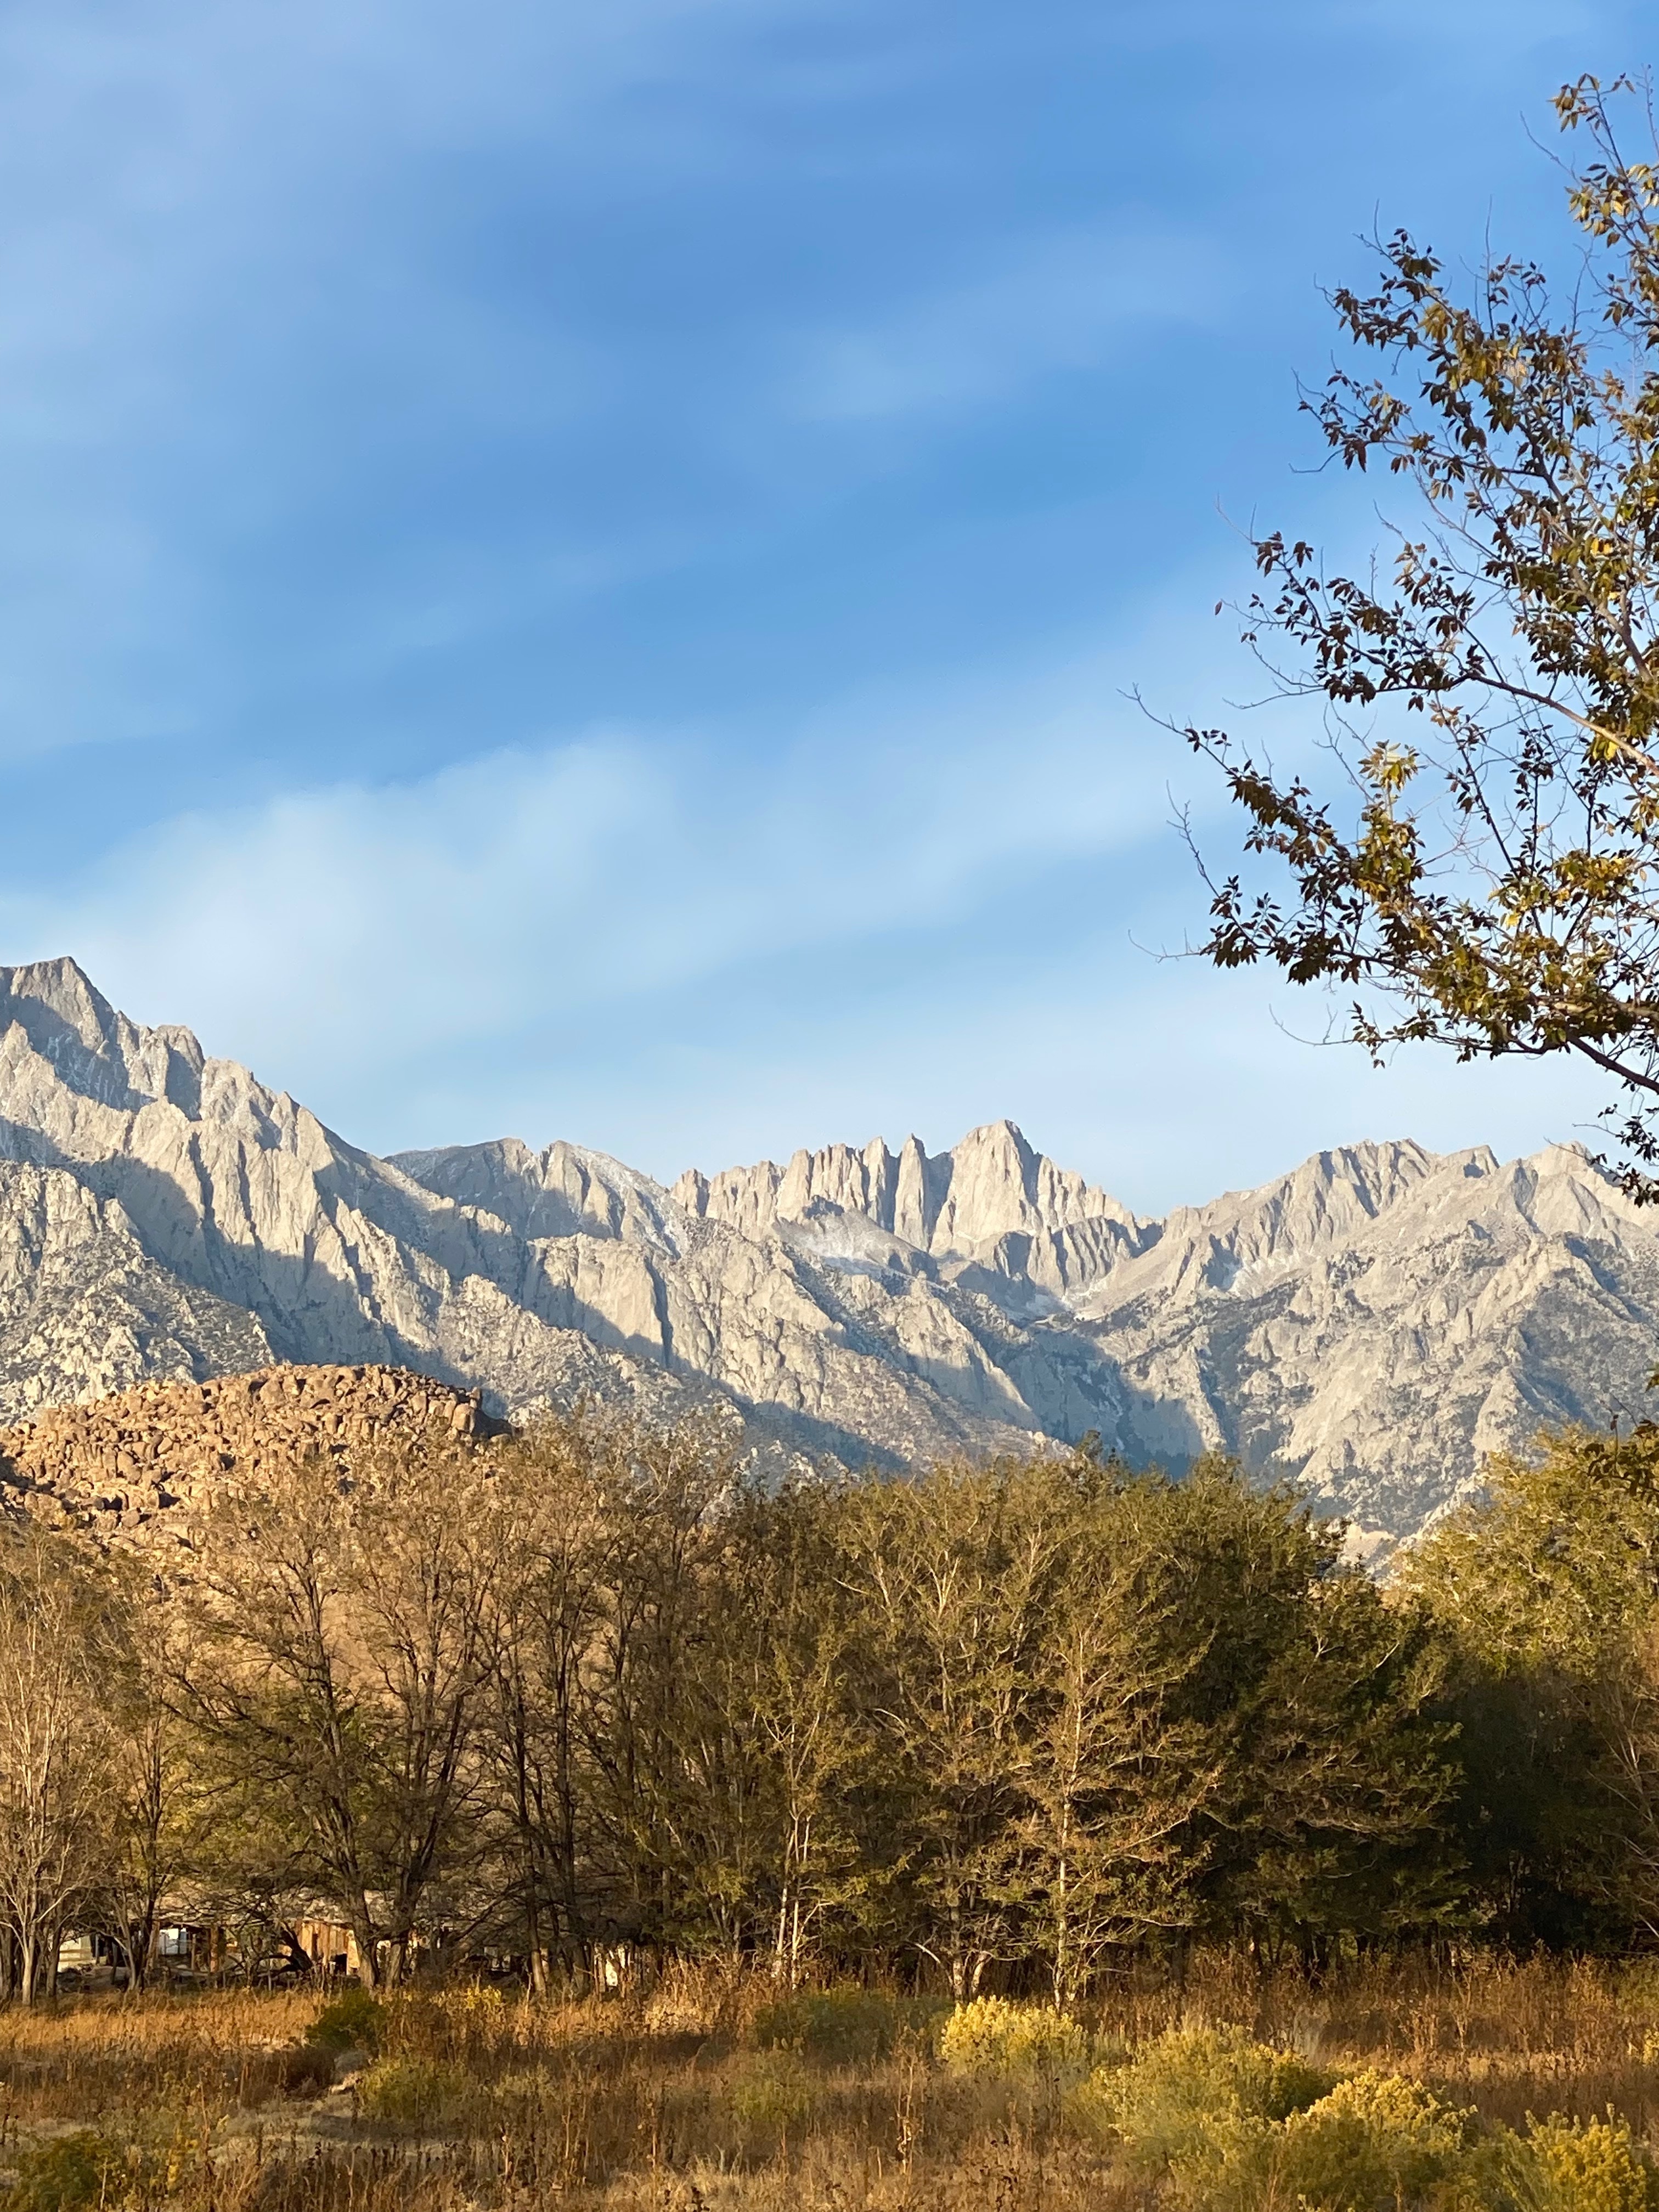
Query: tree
{"points": [[1549, 1589], [1348, 1773], [1490, 878], [951, 1577], [813, 1743], [1319, 1731], [336, 1665], [542, 1623], [161, 1810], [1113, 1780], [62, 1652], [667, 1729], [668, 1806], [766, 1742]]}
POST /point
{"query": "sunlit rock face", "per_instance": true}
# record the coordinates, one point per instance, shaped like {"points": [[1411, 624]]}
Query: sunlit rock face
{"points": [[1372, 1324]]}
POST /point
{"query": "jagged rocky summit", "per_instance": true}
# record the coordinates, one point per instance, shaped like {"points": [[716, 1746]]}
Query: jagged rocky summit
{"points": [[1371, 1324]]}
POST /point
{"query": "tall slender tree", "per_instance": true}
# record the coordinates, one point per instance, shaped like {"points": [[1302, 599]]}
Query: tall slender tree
{"points": [[63, 1659]]}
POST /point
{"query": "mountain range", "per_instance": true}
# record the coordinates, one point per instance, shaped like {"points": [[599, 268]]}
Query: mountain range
{"points": [[1371, 1324]]}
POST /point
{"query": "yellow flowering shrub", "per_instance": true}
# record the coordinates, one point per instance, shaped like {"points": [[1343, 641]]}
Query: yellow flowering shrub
{"points": [[1166, 2105], [1593, 2166], [1014, 2043]]}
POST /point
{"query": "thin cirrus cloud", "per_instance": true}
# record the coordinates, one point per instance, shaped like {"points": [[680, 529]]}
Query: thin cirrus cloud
{"points": [[1045, 307], [683, 973], [525, 889], [922, 904]]}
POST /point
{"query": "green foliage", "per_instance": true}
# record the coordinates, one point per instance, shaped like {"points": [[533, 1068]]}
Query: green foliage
{"points": [[1486, 864], [414, 2096], [1005, 1726], [1235, 2126], [1009, 1716], [332, 1664], [1232, 2125], [1559, 1558], [1377, 2141], [1548, 1590], [776, 2092], [74, 2171], [1071, 1680], [354, 2021], [1179, 2096], [1014, 2043]]}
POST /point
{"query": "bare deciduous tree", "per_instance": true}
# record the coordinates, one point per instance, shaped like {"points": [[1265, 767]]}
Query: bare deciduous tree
{"points": [[62, 1654], [339, 1662]]}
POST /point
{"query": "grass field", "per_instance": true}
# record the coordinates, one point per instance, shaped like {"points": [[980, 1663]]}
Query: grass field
{"points": [[709, 2091]]}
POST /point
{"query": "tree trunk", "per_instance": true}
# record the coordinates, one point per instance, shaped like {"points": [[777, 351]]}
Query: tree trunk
{"points": [[29, 1959]]}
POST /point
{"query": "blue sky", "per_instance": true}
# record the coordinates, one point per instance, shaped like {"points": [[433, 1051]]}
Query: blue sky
{"points": [[574, 570]]}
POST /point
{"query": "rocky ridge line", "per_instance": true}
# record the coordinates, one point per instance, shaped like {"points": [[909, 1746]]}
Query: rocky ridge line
{"points": [[1373, 1324]]}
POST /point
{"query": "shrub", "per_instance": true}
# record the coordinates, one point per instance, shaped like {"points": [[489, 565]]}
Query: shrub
{"points": [[1014, 2043], [416, 2096], [1166, 2104], [352, 2022], [775, 2093], [1394, 2105], [85, 2168], [1375, 2143], [1377, 2140], [1592, 2166], [842, 2027]]}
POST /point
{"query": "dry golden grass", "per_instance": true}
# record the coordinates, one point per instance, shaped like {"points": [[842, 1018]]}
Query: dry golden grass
{"points": [[668, 2100]]}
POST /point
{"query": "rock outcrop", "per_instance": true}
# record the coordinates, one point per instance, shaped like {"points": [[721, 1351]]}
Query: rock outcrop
{"points": [[133, 1465], [1372, 1323]]}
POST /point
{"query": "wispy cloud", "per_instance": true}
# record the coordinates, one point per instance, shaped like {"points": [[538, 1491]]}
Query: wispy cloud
{"points": [[1066, 300], [916, 924], [921, 909], [273, 275], [353, 925]]}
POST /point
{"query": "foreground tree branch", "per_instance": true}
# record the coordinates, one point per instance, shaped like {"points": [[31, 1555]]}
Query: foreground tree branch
{"points": [[1488, 878]]}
